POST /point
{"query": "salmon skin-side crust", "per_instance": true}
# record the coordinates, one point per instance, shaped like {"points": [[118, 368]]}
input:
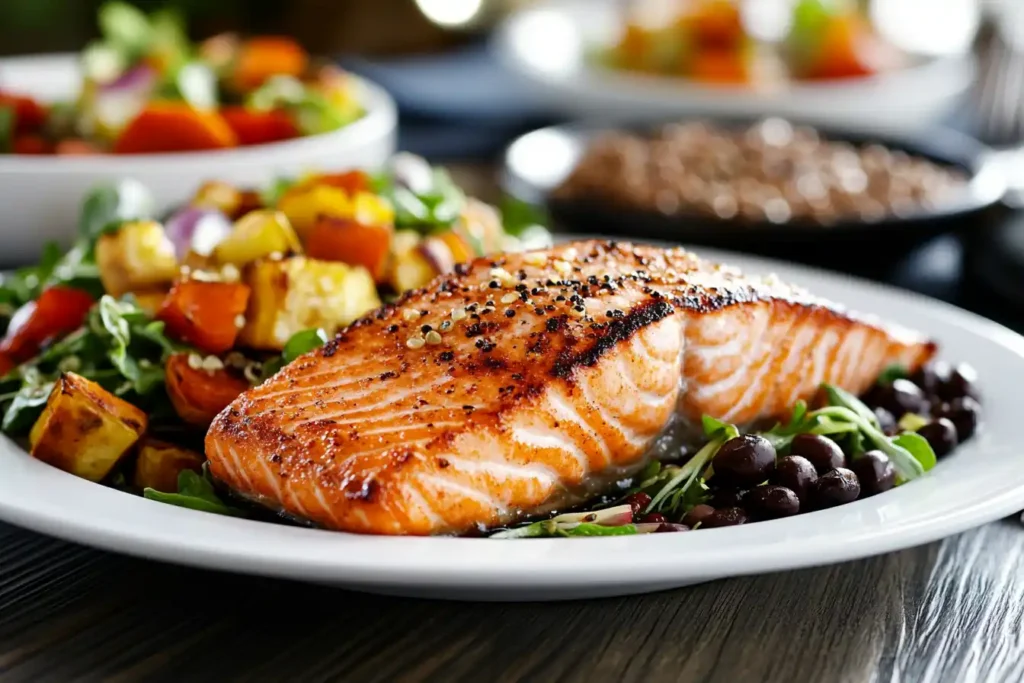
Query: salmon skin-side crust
{"points": [[530, 381]]}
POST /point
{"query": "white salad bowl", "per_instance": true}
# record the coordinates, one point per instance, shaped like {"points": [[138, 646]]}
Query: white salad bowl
{"points": [[41, 196], [979, 482], [550, 46]]}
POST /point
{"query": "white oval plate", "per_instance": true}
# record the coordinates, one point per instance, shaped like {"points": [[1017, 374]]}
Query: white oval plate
{"points": [[42, 195], [548, 46], [982, 481]]}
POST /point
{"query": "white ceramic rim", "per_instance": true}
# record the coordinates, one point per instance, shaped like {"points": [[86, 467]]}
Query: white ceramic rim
{"points": [[380, 117], [981, 482]]}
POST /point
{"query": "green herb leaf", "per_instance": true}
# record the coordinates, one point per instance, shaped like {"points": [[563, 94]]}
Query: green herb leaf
{"points": [[272, 193], [303, 342], [911, 422], [25, 408], [195, 492], [841, 397], [917, 446], [892, 373], [116, 203], [125, 26], [714, 428], [587, 529]]}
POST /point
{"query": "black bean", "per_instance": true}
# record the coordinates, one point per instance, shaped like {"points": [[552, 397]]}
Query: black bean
{"points": [[824, 453], [961, 383], [902, 397], [772, 502], [796, 473], [885, 420], [931, 376], [697, 515], [838, 487], [744, 461], [725, 517], [722, 497], [874, 472], [965, 414], [941, 435]]}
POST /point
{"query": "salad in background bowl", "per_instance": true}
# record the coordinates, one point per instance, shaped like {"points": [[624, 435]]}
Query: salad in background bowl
{"points": [[144, 103]]}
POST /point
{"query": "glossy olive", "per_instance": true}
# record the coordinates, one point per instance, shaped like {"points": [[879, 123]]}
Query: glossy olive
{"points": [[654, 518], [669, 527], [725, 517], [772, 502], [874, 472], [697, 515], [744, 461], [796, 473], [965, 414], [941, 435], [838, 487], [824, 453], [638, 502]]}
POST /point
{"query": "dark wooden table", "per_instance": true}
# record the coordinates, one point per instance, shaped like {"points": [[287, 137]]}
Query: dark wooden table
{"points": [[950, 611]]}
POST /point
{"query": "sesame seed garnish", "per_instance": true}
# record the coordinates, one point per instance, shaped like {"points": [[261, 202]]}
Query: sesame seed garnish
{"points": [[433, 337], [535, 258], [445, 325], [509, 298], [415, 342], [563, 267], [459, 313], [411, 314], [425, 328], [509, 313], [494, 284], [239, 321]]}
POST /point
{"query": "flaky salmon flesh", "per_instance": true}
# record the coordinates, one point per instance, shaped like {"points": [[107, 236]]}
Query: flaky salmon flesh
{"points": [[527, 382]]}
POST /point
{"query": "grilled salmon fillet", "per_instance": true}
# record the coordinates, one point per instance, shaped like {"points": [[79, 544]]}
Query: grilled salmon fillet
{"points": [[530, 381]]}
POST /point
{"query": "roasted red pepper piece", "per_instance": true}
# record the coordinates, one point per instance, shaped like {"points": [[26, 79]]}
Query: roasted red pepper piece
{"points": [[57, 311], [205, 314], [259, 127], [29, 115], [174, 127]]}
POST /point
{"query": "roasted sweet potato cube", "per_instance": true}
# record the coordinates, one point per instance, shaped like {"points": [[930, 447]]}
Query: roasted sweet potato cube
{"points": [[197, 393], [348, 241], [84, 429], [137, 257], [207, 315], [159, 463]]}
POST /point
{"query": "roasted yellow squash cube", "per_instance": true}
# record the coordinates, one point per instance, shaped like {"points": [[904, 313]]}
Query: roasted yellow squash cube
{"points": [[256, 235], [84, 429], [159, 463], [304, 205], [299, 293], [137, 257]]}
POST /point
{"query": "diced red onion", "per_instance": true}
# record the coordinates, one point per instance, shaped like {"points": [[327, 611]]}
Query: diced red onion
{"points": [[198, 230]]}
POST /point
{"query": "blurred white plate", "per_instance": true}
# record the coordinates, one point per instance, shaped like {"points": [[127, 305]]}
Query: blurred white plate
{"points": [[549, 45], [980, 482], [41, 196]]}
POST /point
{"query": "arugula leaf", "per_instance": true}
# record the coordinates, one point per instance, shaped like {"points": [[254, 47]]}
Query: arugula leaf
{"points": [[303, 342], [843, 398], [892, 373], [113, 204], [587, 529], [195, 492], [918, 447], [714, 428], [549, 528], [25, 408], [125, 26], [438, 204]]}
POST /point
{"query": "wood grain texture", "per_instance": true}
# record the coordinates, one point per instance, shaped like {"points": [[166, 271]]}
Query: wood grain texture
{"points": [[951, 611]]}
